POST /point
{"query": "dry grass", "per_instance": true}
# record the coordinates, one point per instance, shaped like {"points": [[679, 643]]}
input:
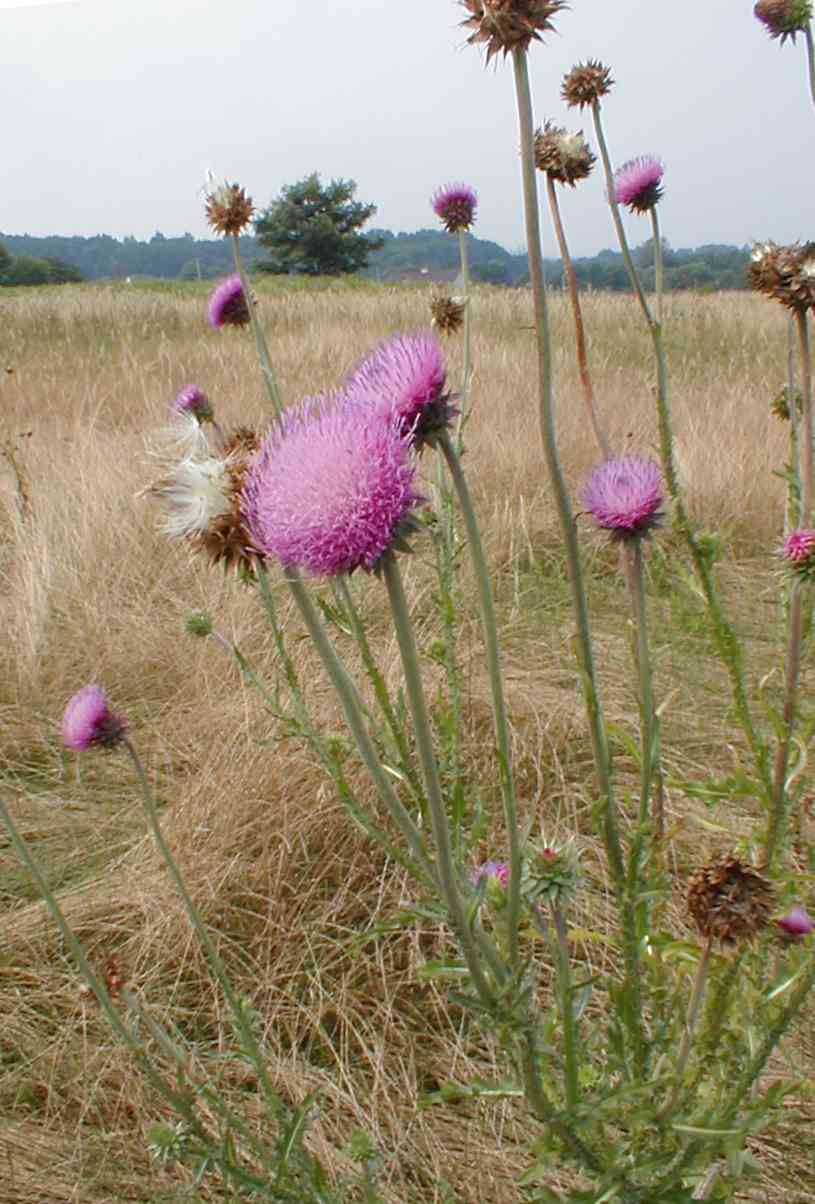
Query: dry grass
{"points": [[89, 592]]}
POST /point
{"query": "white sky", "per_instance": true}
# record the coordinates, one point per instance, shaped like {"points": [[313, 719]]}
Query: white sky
{"points": [[113, 109]]}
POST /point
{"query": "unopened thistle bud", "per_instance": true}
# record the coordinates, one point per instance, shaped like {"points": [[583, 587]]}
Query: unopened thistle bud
{"points": [[447, 313], [554, 875], [786, 273], [729, 900], [799, 554], [563, 156], [796, 924], [784, 18], [194, 402], [199, 624], [507, 25], [229, 209], [586, 83]]}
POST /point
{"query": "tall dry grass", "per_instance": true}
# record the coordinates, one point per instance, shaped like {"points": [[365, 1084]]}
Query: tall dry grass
{"points": [[90, 592]]}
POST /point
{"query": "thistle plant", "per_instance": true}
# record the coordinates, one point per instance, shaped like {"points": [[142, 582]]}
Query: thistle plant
{"points": [[786, 19], [455, 205]]}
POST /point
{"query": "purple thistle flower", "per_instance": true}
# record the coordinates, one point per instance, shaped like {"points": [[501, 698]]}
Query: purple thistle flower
{"points": [[796, 922], [455, 204], [624, 496], [637, 183], [799, 553], [192, 400], [89, 720], [227, 304], [331, 489], [499, 870], [404, 378]]}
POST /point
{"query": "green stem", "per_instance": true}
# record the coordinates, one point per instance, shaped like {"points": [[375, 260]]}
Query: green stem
{"points": [[779, 808], [427, 758], [250, 1045], [499, 708], [353, 715], [810, 60], [792, 515], [570, 1045], [807, 469], [659, 271], [577, 313], [727, 642], [269, 377], [649, 721], [545, 1112], [467, 370], [691, 1016], [599, 737]]}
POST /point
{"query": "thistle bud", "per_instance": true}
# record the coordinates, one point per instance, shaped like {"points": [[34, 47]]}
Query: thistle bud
{"points": [[554, 875], [784, 18], [198, 624]]}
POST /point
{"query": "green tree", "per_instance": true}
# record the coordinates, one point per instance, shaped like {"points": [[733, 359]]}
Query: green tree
{"points": [[25, 269], [315, 230]]}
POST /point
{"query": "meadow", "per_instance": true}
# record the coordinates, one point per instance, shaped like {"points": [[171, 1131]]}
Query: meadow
{"points": [[305, 910]]}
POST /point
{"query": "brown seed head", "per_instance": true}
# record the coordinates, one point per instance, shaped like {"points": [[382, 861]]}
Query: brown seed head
{"points": [[785, 273], [729, 900], [586, 83], [563, 156], [226, 540], [507, 25], [229, 209], [447, 313]]}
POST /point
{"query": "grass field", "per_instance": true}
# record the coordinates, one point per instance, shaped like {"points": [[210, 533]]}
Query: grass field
{"points": [[90, 592]]}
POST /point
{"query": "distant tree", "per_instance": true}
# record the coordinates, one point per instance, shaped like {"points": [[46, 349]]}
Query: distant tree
{"points": [[62, 272], [5, 258], [314, 229], [25, 269]]}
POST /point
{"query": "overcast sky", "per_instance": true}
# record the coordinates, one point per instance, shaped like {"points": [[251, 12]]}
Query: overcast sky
{"points": [[113, 109]]}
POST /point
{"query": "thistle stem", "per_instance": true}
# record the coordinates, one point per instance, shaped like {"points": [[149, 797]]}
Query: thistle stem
{"points": [[353, 716], [467, 370], [649, 721], [602, 756], [427, 758], [691, 1016], [659, 267], [250, 1045], [545, 1111], [810, 59], [778, 811], [269, 377], [807, 469], [499, 708], [570, 1044], [577, 313]]}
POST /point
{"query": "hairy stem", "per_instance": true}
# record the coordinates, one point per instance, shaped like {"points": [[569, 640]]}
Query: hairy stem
{"points": [[650, 775], [691, 1016], [810, 60], [807, 469], [269, 377], [659, 271], [779, 803], [570, 1040], [467, 370], [577, 314]]}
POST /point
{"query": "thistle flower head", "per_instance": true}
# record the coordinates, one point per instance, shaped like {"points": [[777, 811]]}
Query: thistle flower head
{"points": [[88, 720], [796, 923], [492, 869], [506, 25], [405, 378], [554, 874], [586, 83], [447, 313], [784, 18], [637, 184], [193, 401], [624, 496], [786, 273], [229, 209], [729, 900], [799, 553], [331, 489], [227, 305], [564, 156], [455, 204]]}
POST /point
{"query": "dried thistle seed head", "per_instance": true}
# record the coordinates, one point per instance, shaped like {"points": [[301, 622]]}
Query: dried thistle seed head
{"points": [[507, 25], [784, 18], [225, 539], [229, 209], [563, 156], [447, 313], [586, 83], [786, 273], [729, 900]]}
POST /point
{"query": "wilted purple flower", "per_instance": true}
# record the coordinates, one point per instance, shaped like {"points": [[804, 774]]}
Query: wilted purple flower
{"points": [[192, 400], [89, 720], [331, 489], [624, 496], [404, 379], [455, 204], [796, 922], [228, 305], [637, 183], [499, 870]]}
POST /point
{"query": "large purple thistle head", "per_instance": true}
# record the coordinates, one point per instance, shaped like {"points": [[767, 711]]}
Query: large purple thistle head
{"points": [[331, 489], [404, 379], [799, 553], [88, 720], [228, 305], [194, 402], [455, 204], [637, 184], [624, 496]]}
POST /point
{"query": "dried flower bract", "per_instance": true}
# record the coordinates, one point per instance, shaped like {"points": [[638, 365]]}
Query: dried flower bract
{"points": [[563, 156], [786, 273], [586, 83], [229, 209], [729, 900], [507, 25], [447, 313]]}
